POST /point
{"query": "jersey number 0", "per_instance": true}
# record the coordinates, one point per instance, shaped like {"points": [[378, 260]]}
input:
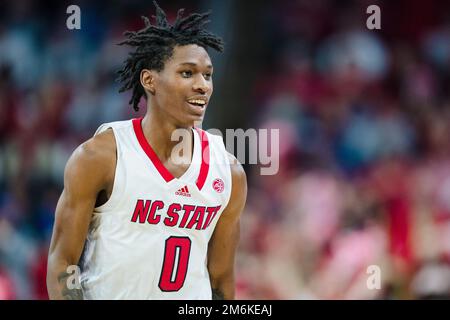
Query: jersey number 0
{"points": [[175, 264]]}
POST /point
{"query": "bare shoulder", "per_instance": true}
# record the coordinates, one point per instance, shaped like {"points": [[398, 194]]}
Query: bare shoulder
{"points": [[94, 160], [98, 149], [237, 171], [102, 144], [239, 187]]}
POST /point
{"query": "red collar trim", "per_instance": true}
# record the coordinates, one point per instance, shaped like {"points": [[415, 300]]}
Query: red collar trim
{"points": [[167, 176]]}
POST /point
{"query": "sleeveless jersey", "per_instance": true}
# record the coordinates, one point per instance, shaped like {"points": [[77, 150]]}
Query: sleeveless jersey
{"points": [[150, 239]]}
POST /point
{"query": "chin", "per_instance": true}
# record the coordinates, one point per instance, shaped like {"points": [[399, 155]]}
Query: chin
{"points": [[191, 121]]}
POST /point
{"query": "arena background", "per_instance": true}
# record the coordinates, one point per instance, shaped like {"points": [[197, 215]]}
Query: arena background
{"points": [[364, 120]]}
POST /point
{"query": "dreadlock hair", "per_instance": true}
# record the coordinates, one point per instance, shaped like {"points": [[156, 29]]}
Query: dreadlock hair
{"points": [[154, 45]]}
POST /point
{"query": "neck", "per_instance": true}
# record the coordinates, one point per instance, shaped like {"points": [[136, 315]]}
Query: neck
{"points": [[158, 131]]}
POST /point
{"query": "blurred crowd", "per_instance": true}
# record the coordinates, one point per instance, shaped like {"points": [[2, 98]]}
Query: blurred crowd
{"points": [[364, 120], [364, 181]]}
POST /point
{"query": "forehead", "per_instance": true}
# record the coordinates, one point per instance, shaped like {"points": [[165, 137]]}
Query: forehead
{"points": [[191, 53]]}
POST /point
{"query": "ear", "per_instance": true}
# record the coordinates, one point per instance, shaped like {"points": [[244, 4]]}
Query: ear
{"points": [[147, 80]]}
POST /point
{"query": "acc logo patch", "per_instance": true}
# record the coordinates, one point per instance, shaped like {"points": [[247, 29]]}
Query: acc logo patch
{"points": [[218, 185]]}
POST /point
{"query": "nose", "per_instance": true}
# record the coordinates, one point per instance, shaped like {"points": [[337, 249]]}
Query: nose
{"points": [[201, 85]]}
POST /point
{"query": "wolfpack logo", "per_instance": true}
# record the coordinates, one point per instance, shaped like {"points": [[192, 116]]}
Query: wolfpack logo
{"points": [[183, 192]]}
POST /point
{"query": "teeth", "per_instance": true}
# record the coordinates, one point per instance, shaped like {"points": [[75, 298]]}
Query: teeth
{"points": [[202, 102]]}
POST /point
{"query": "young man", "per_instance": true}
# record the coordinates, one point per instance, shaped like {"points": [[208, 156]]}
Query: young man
{"points": [[139, 222]]}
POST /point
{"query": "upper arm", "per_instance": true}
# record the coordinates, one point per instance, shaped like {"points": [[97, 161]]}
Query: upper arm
{"points": [[223, 244], [88, 171]]}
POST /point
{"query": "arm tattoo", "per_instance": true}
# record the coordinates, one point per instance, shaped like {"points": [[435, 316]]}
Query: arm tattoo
{"points": [[66, 292], [217, 294]]}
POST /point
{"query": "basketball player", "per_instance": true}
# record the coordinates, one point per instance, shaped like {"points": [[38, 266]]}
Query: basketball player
{"points": [[137, 223]]}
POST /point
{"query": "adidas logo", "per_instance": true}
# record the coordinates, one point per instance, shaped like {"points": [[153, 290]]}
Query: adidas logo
{"points": [[183, 192]]}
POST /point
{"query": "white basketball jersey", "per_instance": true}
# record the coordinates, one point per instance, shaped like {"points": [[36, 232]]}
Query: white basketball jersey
{"points": [[150, 239]]}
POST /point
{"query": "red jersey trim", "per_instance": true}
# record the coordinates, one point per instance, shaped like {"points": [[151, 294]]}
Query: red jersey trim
{"points": [[204, 168], [167, 176], [137, 126]]}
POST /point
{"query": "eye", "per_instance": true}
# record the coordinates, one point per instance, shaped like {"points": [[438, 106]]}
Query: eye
{"points": [[186, 74], [208, 76]]}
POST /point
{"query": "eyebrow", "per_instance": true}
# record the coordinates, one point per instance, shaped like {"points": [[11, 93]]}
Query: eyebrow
{"points": [[192, 64]]}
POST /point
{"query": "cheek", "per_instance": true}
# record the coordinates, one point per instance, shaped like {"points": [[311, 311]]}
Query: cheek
{"points": [[171, 95], [175, 86], [167, 90]]}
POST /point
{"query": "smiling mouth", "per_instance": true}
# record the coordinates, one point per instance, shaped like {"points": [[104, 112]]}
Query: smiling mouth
{"points": [[197, 102]]}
